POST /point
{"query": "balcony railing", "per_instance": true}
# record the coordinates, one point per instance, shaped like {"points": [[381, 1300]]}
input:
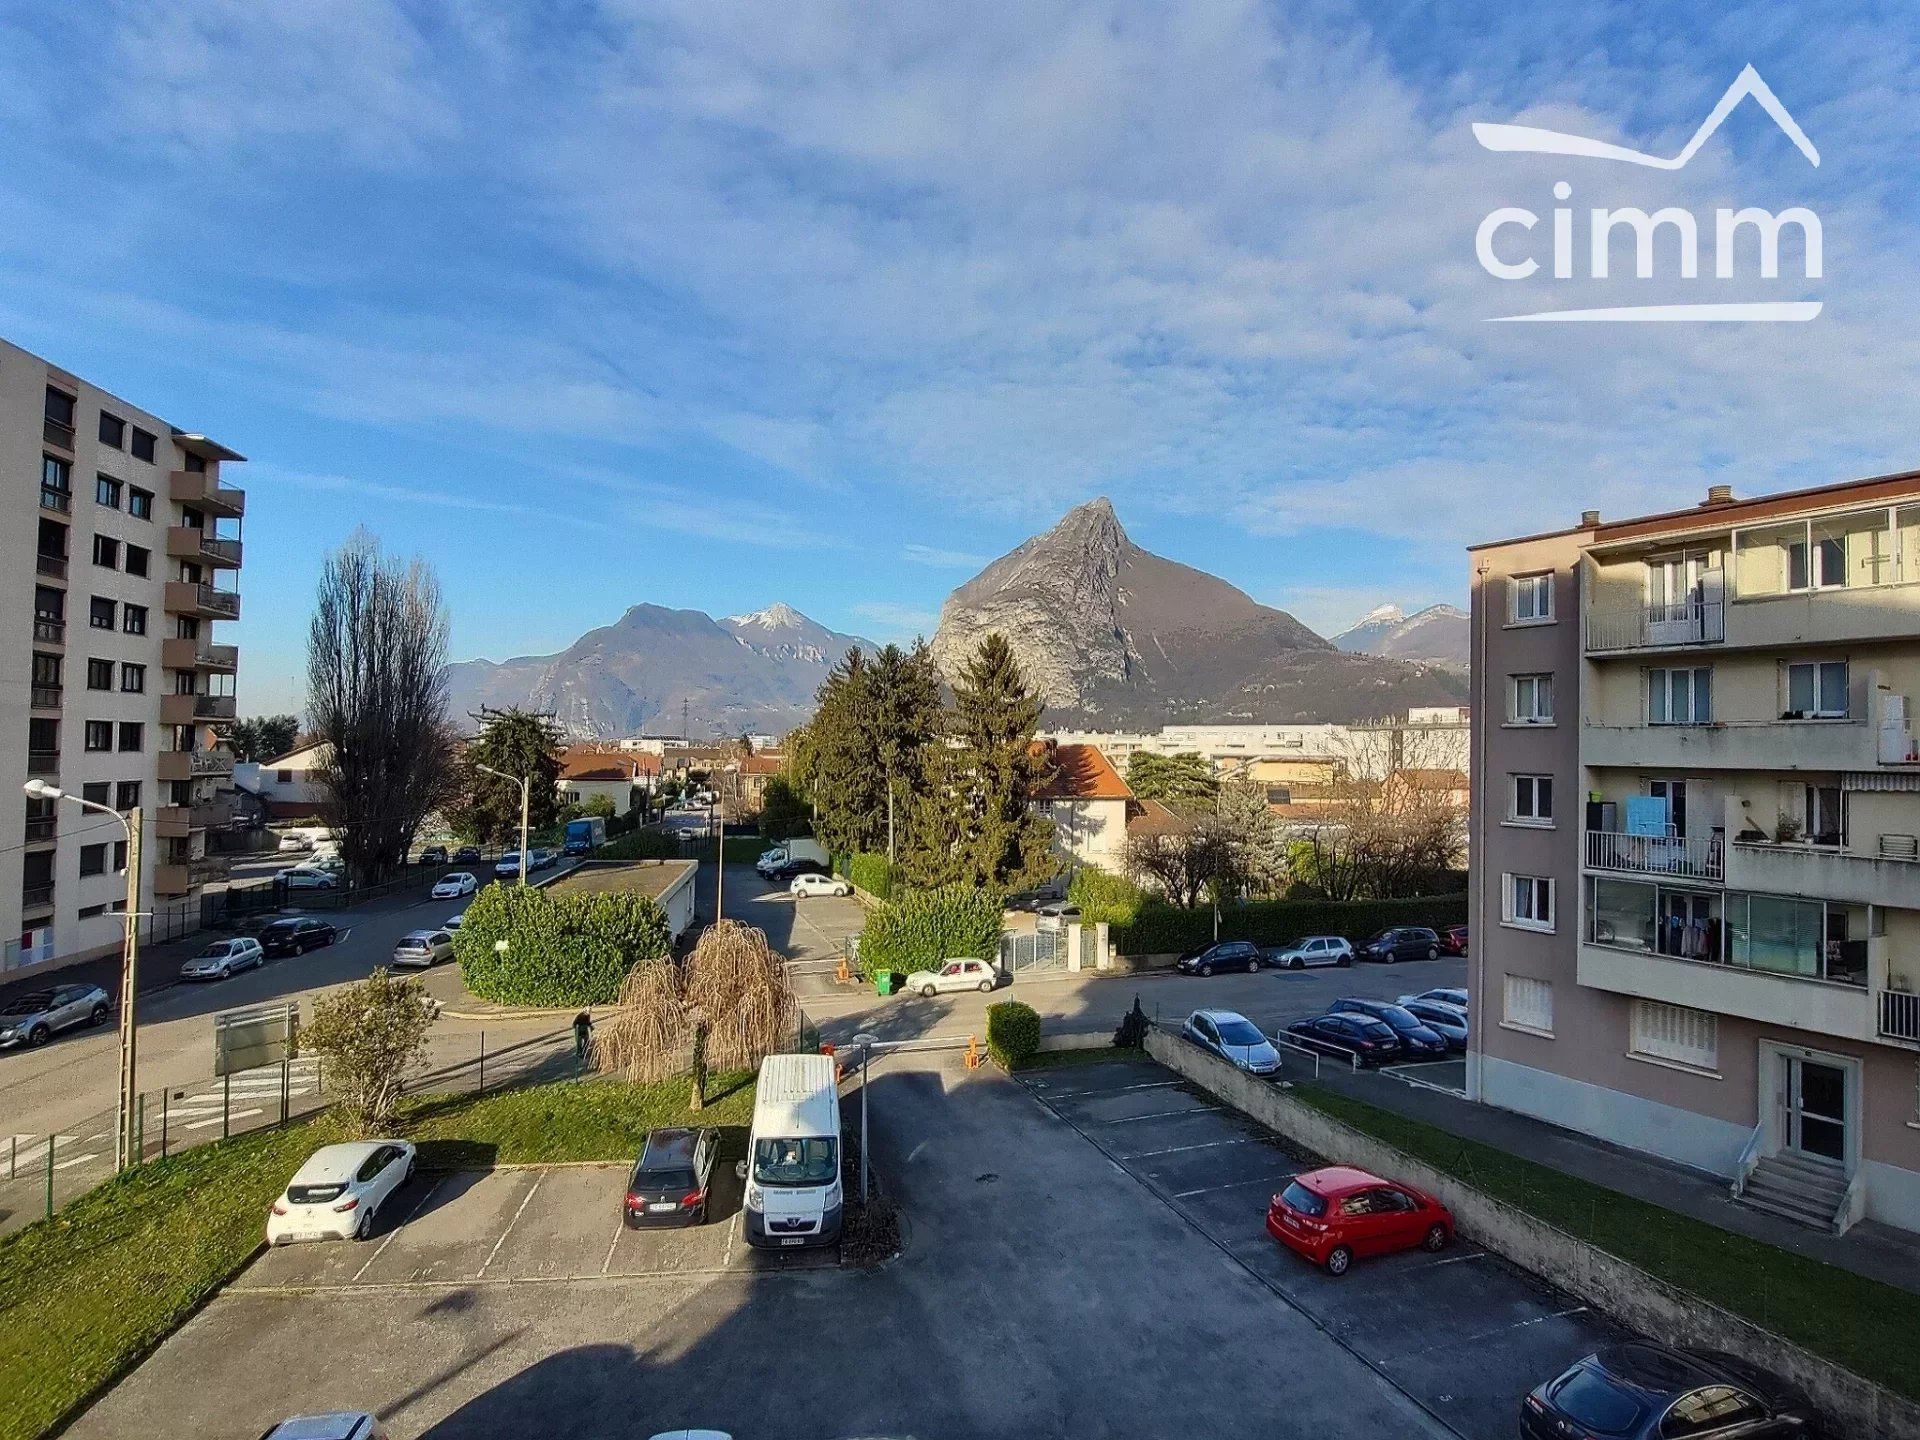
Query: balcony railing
{"points": [[42, 829], [49, 632], [213, 707], [210, 762], [36, 897], [1690, 857], [197, 487], [57, 432], [54, 567], [46, 697], [43, 762], [187, 597], [52, 499], [181, 653], [196, 542], [212, 815], [1641, 627], [1900, 1015]]}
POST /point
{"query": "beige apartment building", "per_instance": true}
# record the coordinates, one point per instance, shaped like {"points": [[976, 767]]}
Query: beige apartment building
{"points": [[117, 551], [1696, 806]]}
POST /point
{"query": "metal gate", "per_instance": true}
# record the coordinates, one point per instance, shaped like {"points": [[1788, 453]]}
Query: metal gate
{"points": [[1034, 954]]}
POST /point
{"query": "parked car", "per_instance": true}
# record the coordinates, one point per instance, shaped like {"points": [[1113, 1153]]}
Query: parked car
{"points": [[467, 855], [452, 887], [1449, 1022], [1309, 950], [791, 868], [1418, 1041], [1340, 1214], [433, 855], [1223, 955], [295, 935], [309, 877], [220, 959], [293, 845], [340, 1425], [1235, 1039], [452, 922], [1359, 1037], [1453, 940], [1454, 995], [981, 975], [421, 948], [336, 1194], [1057, 915], [1643, 1391], [1403, 942], [542, 859], [670, 1180], [37, 1016], [812, 884], [508, 866]]}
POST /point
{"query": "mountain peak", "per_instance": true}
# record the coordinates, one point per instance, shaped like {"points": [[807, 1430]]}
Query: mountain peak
{"points": [[1437, 633], [1388, 611], [1092, 523], [777, 616]]}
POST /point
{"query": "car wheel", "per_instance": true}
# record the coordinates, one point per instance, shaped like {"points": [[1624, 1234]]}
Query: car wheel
{"points": [[1436, 1239], [226, 972], [1253, 967], [1389, 958], [1296, 963], [1207, 970], [1338, 1259], [365, 1227], [927, 992], [1433, 952], [99, 1016], [1345, 962], [39, 1035], [986, 987]]}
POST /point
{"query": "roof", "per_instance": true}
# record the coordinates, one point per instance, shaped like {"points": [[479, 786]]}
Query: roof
{"points": [[302, 745], [762, 764], [1218, 1015], [1078, 772], [1338, 1179], [1432, 779], [1154, 817], [669, 1148], [340, 1425], [651, 878], [332, 1163], [579, 762], [797, 1097]]}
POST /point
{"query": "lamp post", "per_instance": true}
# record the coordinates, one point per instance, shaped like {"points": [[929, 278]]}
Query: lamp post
{"points": [[866, 1043], [720, 865], [123, 1141], [525, 782]]}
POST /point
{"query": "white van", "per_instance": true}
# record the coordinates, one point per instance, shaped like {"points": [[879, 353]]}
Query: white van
{"points": [[792, 1167]]}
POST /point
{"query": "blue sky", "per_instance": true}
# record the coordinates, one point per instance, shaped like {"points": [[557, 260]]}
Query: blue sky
{"points": [[714, 305]]}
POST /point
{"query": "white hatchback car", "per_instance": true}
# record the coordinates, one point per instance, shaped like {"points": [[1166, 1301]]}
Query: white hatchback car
{"points": [[452, 887], [308, 877], [222, 958], [336, 1194], [804, 885], [978, 975]]}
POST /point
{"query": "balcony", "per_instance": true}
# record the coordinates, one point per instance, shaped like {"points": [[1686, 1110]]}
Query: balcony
{"points": [[57, 433], [184, 597], [54, 567], [207, 869], [46, 697], [1825, 1007], [1682, 857], [1899, 1014], [60, 501], [202, 490], [1823, 873], [212, 814], [34, 898], [42, 830], [176, 709], [213, 708], [180, 653], [1655, 627], [192, 764], [191, 542], [48, 631], [1819, 745], [43, 762], [171, 880], [172, 822]]}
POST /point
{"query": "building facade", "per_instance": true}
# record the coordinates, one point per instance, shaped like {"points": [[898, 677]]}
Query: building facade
{"points": [[120, 556], [1696, 907]]}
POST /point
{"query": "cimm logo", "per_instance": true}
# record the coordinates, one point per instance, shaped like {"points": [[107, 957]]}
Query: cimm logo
{"points": [[1506, 248]]}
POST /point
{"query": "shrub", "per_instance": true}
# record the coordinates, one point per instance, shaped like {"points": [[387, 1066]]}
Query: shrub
{"points": [[369, 1035], [1131, 1033], [643, 845], [922, 929], [1102, 895], [869, 872], [1159, 928], [1013, 1033], [562, 950]]}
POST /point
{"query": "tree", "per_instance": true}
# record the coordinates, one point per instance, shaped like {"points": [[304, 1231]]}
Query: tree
{"points": [[1188, 866], [783, 811], [264, 737], [1260, 850], [515, 742], [1388, 824], [368, 1036], [877, 722], [598, 805], [1184, 781], [376, 700]]}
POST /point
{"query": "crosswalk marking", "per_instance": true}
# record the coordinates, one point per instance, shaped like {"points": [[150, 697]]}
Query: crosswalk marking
{"points": [[215, 1120], [77, 1160]]}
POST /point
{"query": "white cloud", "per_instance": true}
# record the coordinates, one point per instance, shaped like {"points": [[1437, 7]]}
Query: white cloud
{"points": [[942, 559]]}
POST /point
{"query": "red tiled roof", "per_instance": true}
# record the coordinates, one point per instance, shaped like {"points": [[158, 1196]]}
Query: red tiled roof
{"points": [[1079, 772], [1151, 817], [579, 763]]}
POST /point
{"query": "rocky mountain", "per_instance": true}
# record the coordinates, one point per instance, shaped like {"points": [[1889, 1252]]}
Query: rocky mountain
{"points": [[1439, 632], [1115, 635], [753, 672]]}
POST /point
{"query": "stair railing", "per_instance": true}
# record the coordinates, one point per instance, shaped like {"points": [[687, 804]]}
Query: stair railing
{"points": [[1749, 1158]]}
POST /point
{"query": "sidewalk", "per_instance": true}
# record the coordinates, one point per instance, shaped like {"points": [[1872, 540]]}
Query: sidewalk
{"points": [[1875, 1251]]}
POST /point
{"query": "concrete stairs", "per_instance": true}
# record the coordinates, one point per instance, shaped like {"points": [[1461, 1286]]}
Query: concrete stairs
{"points": [[1801, 1188]]}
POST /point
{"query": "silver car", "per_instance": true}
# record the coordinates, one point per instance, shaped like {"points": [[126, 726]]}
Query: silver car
{"points": [[1309, 950], [223, 957], [37, 1016], [421, 948]]}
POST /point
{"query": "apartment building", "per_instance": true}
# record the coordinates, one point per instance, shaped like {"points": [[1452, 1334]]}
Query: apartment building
{"points": [[1696, 807], [116, 565]]}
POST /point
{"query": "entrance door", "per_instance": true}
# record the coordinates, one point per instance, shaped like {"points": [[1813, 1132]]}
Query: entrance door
{"points": [[1816, 1108], [1677, 598], [1674, 792]]}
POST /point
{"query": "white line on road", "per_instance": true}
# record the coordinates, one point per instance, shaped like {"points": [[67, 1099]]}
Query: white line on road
{"points": [[1162, 1115], [1232, 1185], [381, 1249], [510, 1224], [1205, 1145], [1112, 1090], [215, 1120], [1461, 1342], [77, 1160], [613, 1244]]}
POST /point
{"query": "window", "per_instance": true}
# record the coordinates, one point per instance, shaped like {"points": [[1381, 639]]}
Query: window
{"points": [[100, 613], [120, 857], [196, 464], [46, 669], [1529, 902], [99, 675], [1677, 1034], [139, 503], [133, 735], [1532, 599], [1816, 690], [1529, 1004], [106, 491], [1530, 699], [1532, 800], [97, 791], [93, 859], [1680, 696], [133, 678], [56, 474], [87, 912], [60, 407], [134, 619], [142, 445], [137, 558], [113, 431], [1711, 1410], [1823, 813], [126, 795], [283, 777], [106, 551], [99, 735]]}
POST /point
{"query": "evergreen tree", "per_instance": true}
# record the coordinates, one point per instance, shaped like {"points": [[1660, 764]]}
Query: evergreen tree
{"points": [[1260, 850], [846, 787], [515, 742], [1184, 781]]}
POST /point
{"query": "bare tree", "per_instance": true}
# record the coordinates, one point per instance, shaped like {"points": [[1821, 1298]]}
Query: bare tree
{"points": [[1387, 821], [1185, 866], [377, 700]]}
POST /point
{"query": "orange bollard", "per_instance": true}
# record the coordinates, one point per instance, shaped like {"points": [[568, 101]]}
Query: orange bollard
{"points": [[974, 1057], [842, 974]]}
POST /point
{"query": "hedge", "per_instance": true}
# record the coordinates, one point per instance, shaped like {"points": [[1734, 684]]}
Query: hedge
{"points": [[1158, 928], [868, 871], [1102, 895], [642, 845], [923, 929], [1013, 1033], [562, 950]]}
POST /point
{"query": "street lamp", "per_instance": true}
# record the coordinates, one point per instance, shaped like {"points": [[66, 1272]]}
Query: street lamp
{"points": [[866, 1043], [123, 1140], [525, 782]]}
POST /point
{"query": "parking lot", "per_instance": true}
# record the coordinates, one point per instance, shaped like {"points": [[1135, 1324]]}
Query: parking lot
{"points": [[1462, 1333]]}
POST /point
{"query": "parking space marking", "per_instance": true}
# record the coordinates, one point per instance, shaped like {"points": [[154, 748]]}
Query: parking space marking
{"points": [[510, 1224], [1461, 1342], [1449, 1260], [380, 1250], [1163, 1114], [1232, 1185], [1108, 1090], [613, 1244], [1204, 1145]]}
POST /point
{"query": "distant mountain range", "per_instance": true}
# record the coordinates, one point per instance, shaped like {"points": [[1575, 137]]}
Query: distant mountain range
{"points": [[1114, 635], [1439, 632], [745, 673]]}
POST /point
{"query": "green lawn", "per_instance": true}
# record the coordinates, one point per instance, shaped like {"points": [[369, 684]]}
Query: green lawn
{"points": [[1862, 1324], [86, 1294]]}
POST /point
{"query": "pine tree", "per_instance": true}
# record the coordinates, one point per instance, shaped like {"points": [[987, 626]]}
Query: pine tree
{"points": [[514, 742], [846, 787], [1259, 847]]}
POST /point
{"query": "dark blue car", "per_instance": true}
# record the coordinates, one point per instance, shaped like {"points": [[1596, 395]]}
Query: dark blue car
{"points": [[1418, 1040]]}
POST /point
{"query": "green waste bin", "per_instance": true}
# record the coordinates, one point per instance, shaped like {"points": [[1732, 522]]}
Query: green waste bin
{"points": [[887, 982]]}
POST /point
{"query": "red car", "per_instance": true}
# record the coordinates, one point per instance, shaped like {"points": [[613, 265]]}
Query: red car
{"points": [[1453, 940], [1336, 1215]]}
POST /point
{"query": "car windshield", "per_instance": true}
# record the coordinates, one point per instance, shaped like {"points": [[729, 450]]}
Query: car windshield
{"points": [[1240, 1032], [29, 1004], [315, 1194], [1595, 1402], [1398, 1016], [1380, 937], [215, 951], [282, 927], [812, 1161], [1303, 1199]]}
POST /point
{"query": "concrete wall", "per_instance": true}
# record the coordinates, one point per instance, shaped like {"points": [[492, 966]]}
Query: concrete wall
{"points": [[1621, 1289]]}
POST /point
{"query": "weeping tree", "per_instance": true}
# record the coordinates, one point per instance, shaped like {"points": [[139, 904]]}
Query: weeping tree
{"points": [[377, 702]]}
